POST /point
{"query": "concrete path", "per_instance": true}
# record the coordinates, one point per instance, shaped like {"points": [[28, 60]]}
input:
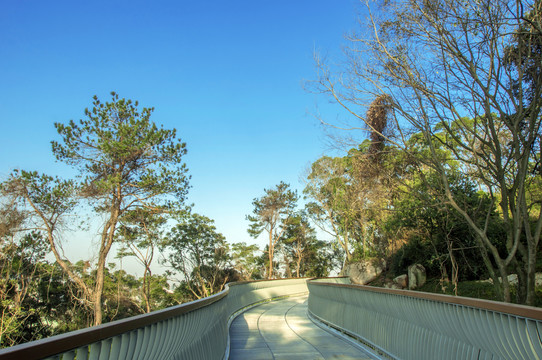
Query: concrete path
{"points": [[282, 330]]}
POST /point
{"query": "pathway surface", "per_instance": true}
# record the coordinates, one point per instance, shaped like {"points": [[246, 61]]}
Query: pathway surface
{"points": [[282, 330]]}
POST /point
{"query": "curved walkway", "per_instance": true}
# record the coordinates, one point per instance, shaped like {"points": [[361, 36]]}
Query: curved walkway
{"points": [[282, 330]]}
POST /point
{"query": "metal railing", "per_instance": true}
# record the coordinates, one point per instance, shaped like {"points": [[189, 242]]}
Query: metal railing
{"points": [[397, 323], [196, 330], [413, 325]]}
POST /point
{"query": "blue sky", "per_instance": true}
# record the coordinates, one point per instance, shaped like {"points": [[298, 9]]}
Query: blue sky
{"points": [[228, 75]]}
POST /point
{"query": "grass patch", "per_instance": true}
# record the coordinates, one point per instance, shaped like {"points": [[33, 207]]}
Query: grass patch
{"points": [[473, 289]]}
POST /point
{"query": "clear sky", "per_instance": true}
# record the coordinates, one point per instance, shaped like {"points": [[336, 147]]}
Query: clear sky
{"points": [[228, 75]]}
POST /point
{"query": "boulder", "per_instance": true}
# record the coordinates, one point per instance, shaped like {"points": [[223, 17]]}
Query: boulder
{"points": [[392, 285], [512, 279], [401, 281], [416, 276], [363, 272]]}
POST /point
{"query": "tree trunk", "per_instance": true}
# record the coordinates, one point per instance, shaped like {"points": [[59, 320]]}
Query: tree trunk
{"points": [[531, 276], [270, 253], [108, 234], [348, 256], [146, 291], [98, 291], [505, 283], [287, 267]]}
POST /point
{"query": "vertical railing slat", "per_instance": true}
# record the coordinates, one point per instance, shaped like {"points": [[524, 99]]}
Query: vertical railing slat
{"points": [[105, 349], [82, 353], [116, 346], [94, 351], [132, 344]]}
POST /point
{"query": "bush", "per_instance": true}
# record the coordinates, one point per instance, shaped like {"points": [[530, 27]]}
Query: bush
{"points": [[416, 251]]}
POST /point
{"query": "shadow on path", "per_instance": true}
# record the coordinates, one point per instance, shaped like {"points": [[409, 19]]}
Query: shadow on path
{"points": [[282, 330]]}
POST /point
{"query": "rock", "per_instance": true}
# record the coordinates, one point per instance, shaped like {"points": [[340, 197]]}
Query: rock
{"points": [[416, 276], [392, 285], [363, 272], [512, 279], [401, 281]]}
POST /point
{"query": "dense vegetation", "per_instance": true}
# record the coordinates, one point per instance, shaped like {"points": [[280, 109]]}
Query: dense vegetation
{"points": [[455, 89], [449, 176]]}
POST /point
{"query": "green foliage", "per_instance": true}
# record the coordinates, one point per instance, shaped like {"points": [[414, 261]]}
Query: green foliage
{"points": [[474, 289], [462, 83], [20, 276], [271, 210], [351, 195], [414, 251], [435, 232], [117, 147], [62, 306], [333, 208], [304, 255], [272, 213], [141, 235], [199, 253], [245, 260], [52, 196]]}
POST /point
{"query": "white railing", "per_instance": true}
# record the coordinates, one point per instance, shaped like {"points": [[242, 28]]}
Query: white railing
{"points": [[404, 324], [397, 323]]}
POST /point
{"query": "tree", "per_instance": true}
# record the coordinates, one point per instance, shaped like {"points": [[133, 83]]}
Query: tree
{"points": [[124, 162], [47, 202], [34, 299], [303, 253], [295, 244], [200, 254], [436, 235], [332, 210], [140, 234], [466, 76], [350, 197], [271, 213], [122, 293], [21, 257], [61, 308], [245, 260]]}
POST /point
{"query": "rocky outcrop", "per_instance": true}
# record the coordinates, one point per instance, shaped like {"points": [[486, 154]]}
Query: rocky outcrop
{"points": [[363, 272], [416, 276]]}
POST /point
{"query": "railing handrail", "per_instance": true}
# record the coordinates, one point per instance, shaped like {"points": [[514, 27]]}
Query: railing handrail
{"points": [[508, 308], [74, 339]]}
